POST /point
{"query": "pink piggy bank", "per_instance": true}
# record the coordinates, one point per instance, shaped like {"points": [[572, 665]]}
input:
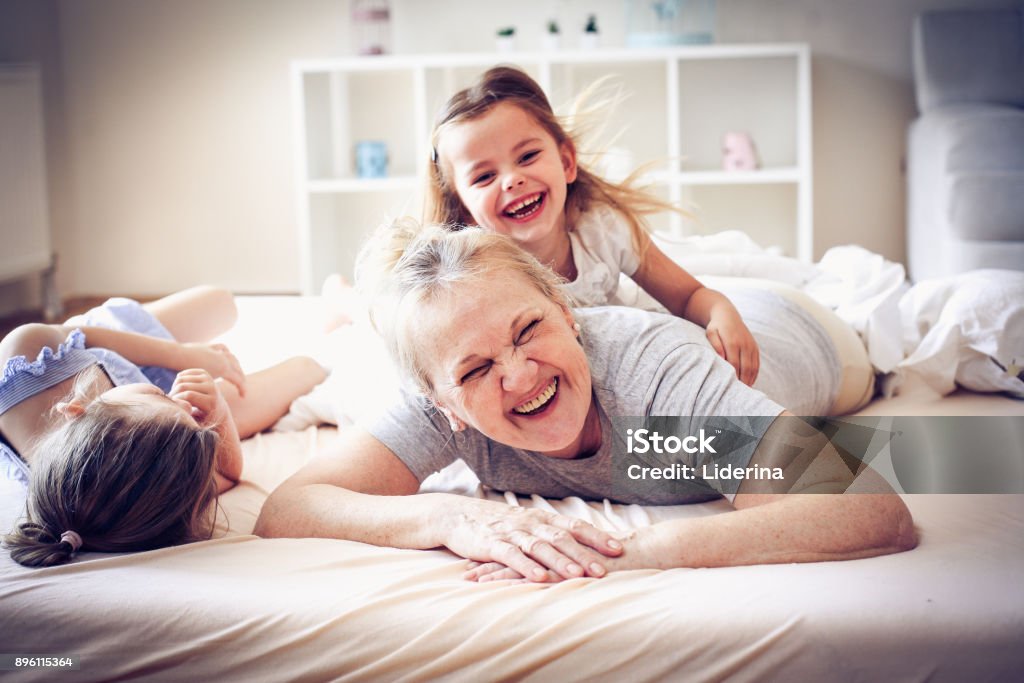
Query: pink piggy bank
{"points": [[739, 152]]}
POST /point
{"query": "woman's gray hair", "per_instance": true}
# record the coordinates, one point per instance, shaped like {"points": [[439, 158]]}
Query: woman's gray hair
{"points": [[406, 265]]}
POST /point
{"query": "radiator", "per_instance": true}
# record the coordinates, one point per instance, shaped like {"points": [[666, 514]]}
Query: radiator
{"points": [[25, 247]]}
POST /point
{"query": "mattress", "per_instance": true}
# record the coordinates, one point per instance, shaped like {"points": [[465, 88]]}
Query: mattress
{"points": [[238, 607]]}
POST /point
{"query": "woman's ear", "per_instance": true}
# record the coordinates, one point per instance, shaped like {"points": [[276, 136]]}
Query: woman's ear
{"points": [[570, 319], [69, 409], [454, 422], [567, 150]]}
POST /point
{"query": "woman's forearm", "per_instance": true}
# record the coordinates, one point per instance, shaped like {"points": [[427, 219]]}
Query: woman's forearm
{"points": [[790, 528], [327, 511], [529, 540]]}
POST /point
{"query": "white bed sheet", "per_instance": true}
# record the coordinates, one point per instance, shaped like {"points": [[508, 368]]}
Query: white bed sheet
{"points": [[243, 608]]}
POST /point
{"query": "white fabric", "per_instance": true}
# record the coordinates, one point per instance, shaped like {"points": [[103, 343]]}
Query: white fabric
{"points": [[857, 377], [964, 330], [243, 608], [602, 249], [969, 331], [362, 380], [734, 253], [864, 290]]}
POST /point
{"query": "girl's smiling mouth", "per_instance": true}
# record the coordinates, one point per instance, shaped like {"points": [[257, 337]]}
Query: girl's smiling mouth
{"points": [[539, 403], [525, 208]]}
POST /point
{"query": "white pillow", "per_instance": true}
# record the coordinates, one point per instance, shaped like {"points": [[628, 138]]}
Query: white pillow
{"points": [[967, 329], [732, 253]]}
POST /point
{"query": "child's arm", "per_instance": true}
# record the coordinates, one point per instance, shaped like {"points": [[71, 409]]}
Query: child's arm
{"points": [[144, 350], [684, 296], [209, 408], [28, 340]]}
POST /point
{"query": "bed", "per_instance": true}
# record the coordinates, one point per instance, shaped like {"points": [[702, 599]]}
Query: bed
{"points": [[238, 607]]}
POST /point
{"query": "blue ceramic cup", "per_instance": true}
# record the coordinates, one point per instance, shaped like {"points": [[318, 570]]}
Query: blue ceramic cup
{"points": [[371, 159]]}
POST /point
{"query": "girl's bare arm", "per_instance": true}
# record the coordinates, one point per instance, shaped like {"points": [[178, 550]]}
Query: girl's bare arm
{"points": [[684, 296]]}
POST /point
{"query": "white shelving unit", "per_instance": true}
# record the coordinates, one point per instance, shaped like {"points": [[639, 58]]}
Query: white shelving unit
{"points": [[681, 102]]}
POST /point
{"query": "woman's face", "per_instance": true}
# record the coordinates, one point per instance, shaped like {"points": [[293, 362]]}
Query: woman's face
{"points": [[504, 359]]}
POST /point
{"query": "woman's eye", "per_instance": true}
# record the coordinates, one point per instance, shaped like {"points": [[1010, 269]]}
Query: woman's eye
{"points": [[527, 332], [476, 372]]}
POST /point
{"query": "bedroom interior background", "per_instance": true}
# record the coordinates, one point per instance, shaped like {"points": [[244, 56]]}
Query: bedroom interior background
{"points": [[169, 127]]}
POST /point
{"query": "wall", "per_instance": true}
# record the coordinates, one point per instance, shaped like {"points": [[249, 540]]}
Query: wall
{"points": [[179, 122], [27, 34], [863, 100], [169, 128]]}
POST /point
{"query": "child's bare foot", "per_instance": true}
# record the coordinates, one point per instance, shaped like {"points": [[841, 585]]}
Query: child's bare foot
{"points": [[340, 302]]}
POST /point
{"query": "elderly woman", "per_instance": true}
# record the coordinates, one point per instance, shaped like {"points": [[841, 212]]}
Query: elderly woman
{"points": [[526, 391]]}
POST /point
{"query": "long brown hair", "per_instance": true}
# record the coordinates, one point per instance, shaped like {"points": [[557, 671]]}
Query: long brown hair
{"points": [[122, 480], [509, 84]]}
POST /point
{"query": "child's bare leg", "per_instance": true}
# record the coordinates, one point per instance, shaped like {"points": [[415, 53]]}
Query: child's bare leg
{"points": [[270, 392], [197, 314]]}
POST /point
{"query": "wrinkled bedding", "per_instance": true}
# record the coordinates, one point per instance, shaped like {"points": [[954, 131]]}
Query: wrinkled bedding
{"points": [[965, 330], [243, 608]]}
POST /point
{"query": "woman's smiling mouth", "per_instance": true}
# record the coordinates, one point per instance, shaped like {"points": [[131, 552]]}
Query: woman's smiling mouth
{"points": [[525, 208], [540, 402]]}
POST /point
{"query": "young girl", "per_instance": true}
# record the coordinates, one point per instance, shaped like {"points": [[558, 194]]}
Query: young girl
{"points": [[125, 427], [502, 160]]}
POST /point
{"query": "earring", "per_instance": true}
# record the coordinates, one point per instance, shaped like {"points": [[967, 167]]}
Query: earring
{"points": [[576, 328], [454, 422]]}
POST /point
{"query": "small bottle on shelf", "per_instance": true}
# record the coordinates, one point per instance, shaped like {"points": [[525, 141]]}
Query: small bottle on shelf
{"points": [[371, 26], [591, 38]]}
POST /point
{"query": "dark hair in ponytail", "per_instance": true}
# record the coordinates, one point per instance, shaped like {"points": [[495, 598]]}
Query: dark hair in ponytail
{"points": [[119, 479]]}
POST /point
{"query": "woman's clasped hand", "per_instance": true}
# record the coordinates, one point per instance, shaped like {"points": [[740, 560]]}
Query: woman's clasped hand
{"points": [[531, 542]]}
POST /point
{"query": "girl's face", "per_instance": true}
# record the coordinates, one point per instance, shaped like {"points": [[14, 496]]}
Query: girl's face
{"points": [[510, 174], [508, 366], [149, 396]]}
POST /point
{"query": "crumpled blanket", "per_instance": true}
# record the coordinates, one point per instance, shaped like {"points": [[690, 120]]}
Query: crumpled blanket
{"points": [[965, 330]]}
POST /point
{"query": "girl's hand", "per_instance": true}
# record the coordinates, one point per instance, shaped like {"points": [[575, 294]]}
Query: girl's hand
{"points": [[532, 542], [198, 388], [217, 360], [732, 341]]}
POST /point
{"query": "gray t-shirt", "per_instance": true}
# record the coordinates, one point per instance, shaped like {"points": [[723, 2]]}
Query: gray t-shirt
{"points": [[642, 364]]}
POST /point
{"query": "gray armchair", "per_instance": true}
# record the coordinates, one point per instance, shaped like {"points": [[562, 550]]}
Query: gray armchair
{"points": [[965, 152]]}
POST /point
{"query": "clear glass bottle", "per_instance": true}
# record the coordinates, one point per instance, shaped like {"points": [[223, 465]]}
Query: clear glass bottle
{"points": [[669, 22]]}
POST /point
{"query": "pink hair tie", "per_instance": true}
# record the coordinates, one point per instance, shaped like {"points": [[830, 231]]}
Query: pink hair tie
{"points": [[72, 539]]}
